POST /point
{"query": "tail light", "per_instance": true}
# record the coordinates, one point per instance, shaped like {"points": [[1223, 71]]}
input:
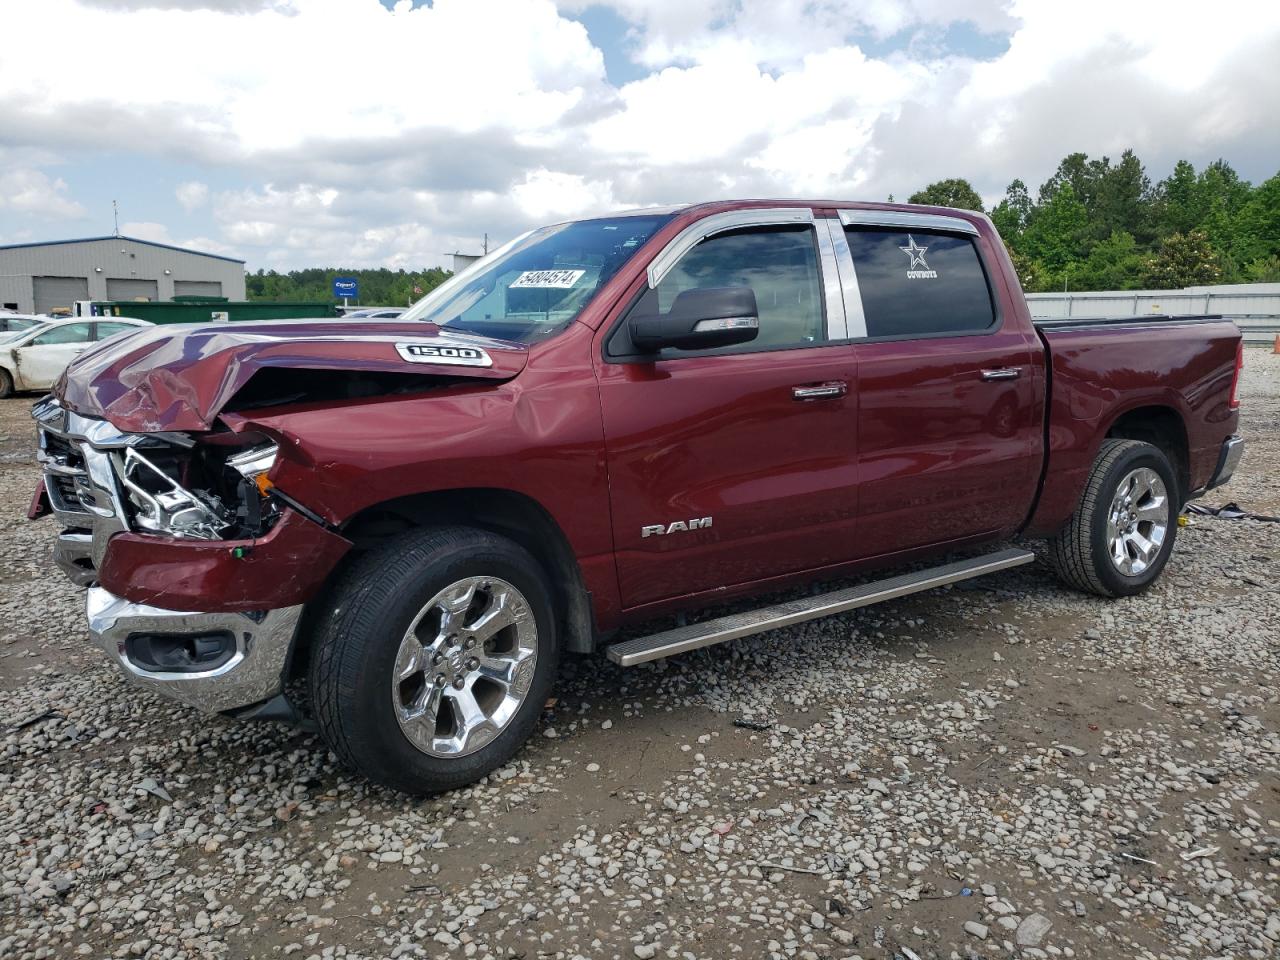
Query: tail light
{"points": [[1235, 380]]}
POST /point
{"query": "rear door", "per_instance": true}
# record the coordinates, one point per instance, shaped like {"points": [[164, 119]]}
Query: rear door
{"points": [[736, 464], [41, 361], [949, 423]]}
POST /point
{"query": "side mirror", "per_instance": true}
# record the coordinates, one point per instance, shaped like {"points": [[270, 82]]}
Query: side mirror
{"points": [[700, 319]]}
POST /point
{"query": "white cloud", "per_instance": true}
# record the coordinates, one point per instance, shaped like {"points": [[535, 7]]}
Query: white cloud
{"points": [[159, 233], [29, 192], [146, 230], [470, 116], [192, 194]]}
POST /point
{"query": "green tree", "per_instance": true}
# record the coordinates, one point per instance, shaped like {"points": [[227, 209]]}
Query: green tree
{"points": [[949, 193], [1115, 263], [1263, 270], [1184, 260], [1011, 214], [1031, 273], [1123, 199], [381, 286], [1081, 174], [1057, 233], [1257, 224]]}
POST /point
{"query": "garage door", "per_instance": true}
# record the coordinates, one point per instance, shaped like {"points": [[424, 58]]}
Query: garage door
{"points": [[197, 288], [59, 293], [132, 289]]}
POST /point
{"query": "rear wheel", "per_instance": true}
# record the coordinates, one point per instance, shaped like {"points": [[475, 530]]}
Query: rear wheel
{"points": [[1120, 537], [434, 662]]}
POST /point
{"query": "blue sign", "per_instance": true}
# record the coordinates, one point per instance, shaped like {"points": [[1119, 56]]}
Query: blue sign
{"points": [[346, 288]]}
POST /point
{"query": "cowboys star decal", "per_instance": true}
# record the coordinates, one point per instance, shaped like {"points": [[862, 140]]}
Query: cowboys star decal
{"points": [[916, 253]]}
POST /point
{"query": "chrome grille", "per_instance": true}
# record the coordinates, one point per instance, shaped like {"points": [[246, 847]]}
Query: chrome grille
{"points": [[76, 455]]}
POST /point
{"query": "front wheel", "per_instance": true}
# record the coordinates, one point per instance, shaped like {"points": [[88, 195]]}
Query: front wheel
{"points": [[434, 661], [6, 384], [1120, 537]]}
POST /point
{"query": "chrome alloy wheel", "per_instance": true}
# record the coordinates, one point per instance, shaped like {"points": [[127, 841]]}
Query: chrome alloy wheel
{"points": [[464, 666], [1137, 521]]}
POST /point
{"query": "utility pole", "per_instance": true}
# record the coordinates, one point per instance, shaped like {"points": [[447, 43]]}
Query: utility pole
{"points": [[486, 244], [115, 216]]}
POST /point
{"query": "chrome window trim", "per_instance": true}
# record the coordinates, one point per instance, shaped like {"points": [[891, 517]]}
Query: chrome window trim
{"points": [[706, 227], [836, 307], [855, 316], [898, 218]]}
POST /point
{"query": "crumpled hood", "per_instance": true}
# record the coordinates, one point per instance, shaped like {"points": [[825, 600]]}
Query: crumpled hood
{"points": [[180, 376]]}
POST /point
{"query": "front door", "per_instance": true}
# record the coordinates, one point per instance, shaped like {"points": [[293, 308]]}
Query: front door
{"points": [[949, 422], [736, 464], [41, 361]]}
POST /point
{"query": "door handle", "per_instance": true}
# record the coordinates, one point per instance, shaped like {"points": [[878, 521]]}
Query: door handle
{"points": [[820, 391], [1002, 373]]}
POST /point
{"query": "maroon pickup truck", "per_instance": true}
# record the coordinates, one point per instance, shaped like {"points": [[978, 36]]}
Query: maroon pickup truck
{"points": [[394, 528]]}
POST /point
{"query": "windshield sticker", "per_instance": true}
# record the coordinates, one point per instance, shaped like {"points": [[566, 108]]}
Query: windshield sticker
{"points": [[916, 253], [547, 279], [447, 355]]}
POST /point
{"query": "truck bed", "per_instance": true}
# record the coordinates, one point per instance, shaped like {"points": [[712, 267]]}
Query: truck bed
{"points": [[1101, 370]]}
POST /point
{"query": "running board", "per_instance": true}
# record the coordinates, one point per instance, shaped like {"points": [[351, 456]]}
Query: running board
{"points": [[735, 625]]}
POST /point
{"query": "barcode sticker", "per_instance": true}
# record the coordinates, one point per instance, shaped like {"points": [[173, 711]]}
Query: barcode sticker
{"points": [[547, 279]]}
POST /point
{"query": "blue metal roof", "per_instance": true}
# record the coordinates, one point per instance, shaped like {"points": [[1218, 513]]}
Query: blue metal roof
{"points": [[149, 243]]}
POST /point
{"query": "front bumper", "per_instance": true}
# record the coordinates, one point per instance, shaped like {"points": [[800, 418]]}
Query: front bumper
{"points": [[1228, 460], [253, 672]]}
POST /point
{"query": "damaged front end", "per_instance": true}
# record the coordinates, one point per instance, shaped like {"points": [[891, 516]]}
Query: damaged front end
{"points": [[101, 481], [197, 568]]}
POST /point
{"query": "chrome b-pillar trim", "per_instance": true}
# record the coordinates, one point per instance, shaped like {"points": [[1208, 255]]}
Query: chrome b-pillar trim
{"points": [[855, 317], [837, 320]]}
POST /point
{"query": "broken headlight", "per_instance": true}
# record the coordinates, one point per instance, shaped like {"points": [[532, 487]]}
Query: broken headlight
{"points": [[201, 491], [165, 506]]}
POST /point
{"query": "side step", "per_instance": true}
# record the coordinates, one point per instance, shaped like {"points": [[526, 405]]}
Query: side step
{"points": [[735, 625]]}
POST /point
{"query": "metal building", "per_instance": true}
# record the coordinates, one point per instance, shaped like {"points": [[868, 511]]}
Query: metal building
{"points": [[52, 276]]}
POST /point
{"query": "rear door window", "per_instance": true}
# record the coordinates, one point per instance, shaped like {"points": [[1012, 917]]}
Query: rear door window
{"points": [[111, 329], [920, 284]]}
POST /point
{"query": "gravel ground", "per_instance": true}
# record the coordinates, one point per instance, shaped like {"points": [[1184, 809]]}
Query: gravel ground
{"points": [[1001, 768]]}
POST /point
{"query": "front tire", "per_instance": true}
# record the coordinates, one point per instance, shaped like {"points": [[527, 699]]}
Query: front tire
{"points": [[6, 384], [1120, 537], [434, 659]]}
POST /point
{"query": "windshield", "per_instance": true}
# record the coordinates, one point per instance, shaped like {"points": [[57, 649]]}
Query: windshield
{"points": [[538, 283]]}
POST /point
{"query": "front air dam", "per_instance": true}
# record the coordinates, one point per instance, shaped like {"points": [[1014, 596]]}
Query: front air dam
{"points": [[282, 569]]}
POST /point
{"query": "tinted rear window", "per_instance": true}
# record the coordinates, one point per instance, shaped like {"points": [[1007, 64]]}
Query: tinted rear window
{"points": [[919, 284]]}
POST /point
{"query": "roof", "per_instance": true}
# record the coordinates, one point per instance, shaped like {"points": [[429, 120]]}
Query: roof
{"points": [[149, 243]]}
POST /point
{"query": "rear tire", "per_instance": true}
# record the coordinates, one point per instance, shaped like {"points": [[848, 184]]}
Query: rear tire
{"points": [[6, 384], [434, 659], [1119, 539]]}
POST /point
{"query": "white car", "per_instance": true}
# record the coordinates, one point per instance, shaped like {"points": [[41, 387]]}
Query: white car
{"points": [[13, 322], [34, 358]]}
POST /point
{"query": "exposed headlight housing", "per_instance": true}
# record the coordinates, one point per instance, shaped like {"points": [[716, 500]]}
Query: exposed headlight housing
{"points": [[255, 464], [165, 506], [199, 490]]}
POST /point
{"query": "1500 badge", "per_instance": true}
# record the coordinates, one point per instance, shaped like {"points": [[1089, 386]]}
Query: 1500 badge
{"points": [[448, 355]]}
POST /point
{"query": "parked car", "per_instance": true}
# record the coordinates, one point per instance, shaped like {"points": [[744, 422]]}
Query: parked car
{"points": [[15, 322], [32, 358], [615, 419], [375, 313]]}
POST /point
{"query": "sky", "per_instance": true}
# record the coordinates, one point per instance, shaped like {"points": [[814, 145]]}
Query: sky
{"points": [[367, 133]]}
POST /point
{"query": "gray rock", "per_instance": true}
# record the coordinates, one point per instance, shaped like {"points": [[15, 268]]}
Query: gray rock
{"points": [[1031, 931]]}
